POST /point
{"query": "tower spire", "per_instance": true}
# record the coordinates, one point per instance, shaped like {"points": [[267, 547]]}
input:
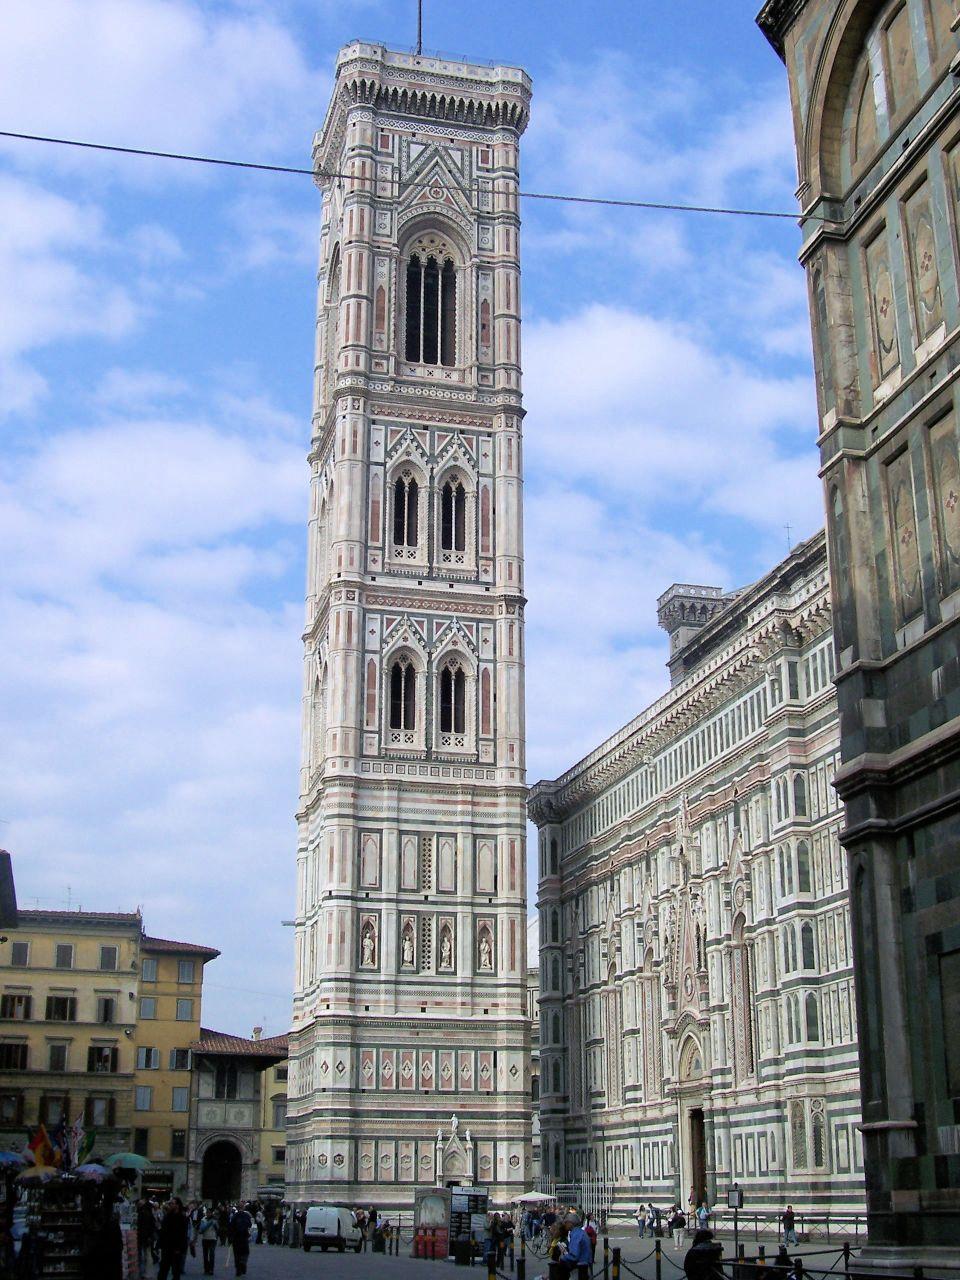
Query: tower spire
{"points": [[419, 27]]}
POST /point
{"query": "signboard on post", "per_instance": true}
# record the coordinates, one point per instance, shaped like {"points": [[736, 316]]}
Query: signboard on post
{"points": [[468, 1213], [735, 1197]]}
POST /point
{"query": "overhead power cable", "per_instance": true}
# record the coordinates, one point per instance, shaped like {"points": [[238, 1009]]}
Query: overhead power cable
{"points": [[557, 197]]}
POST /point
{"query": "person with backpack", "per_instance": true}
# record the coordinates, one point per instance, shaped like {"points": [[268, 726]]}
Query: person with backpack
{"points": [[591, 1231], [240, 1227], [578, 1255]]}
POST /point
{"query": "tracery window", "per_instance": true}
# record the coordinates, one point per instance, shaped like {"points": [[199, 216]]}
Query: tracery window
{"points": [[406, 494], [403, 695], [453, 516], [453, 686], [803, 867], [431, 316]]}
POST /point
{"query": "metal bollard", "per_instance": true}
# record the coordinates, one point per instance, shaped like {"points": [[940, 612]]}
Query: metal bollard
{"points": [[798, 1268], [658, 1256], [491, 1266], [473, 1249], [606, 1257], [522, 1264], [510, 1250], [846, 1257], [615, 1269]]}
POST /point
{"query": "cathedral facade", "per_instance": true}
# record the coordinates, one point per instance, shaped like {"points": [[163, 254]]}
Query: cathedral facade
{"points": [[697, 1013], [409, 1046]]}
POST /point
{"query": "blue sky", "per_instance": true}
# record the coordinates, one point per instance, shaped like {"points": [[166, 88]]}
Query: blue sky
{"points": [[155, 350]]}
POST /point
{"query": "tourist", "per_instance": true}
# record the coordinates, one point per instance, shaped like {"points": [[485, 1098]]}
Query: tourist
{"points": [[173, 1238], [781, 1262], [209, 1234], [578, 1255], [788, 1218], [223, 1223], [146, 1233], [556, 1247], [591, 1231], [703, 1216], [241, 1224], [703, 1258], [678, 1226]]}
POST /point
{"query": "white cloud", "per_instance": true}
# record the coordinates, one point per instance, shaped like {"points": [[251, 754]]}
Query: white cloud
{"points": [[152, 73], [49, 292], [150, 698]]}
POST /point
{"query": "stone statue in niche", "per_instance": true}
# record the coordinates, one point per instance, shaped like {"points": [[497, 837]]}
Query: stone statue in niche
{"points": [[368, 946], [486, 950], [446, 949], [407, 948]]}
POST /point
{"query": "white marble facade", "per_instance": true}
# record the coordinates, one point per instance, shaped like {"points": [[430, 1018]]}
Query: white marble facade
{"points": [[410, 929], [697, 1008]]}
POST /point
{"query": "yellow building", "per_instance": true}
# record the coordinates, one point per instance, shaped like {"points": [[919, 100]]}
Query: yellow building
{"points": [[273, 1132], [68, 1010], [168, 1023]]}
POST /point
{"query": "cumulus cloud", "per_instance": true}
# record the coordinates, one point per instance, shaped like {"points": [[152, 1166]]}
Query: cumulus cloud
{"points": [[151, 661]]}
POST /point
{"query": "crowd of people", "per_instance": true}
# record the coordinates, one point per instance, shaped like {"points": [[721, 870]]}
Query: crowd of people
{"points": [[169, 1234]]}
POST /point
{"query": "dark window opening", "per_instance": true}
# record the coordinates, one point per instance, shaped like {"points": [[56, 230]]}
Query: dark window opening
{"points": [[402, 695], [406, 493], [431, 333], [453, 516], [452, 699], [225, 1082]]}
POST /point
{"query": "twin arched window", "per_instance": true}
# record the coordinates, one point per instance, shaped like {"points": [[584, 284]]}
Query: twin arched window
{"points": [[452, 696], [406, 495], [431, 317]]}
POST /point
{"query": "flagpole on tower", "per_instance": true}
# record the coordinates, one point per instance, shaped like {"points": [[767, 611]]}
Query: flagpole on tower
{"points": [[419, 27]]}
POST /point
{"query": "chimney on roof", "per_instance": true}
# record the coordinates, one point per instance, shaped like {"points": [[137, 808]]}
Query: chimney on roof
{"points": [[257, 1032]]}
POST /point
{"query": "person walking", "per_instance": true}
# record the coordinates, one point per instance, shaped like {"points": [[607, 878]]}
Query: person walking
{"points": [[209, 1235], [578, 1255], [703, 1258], [174, 1236], [240, 1226], [789, 1220], [223, 1223]]}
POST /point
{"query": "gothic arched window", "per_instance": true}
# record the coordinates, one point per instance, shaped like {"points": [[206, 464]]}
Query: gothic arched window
{"points": [[453, 516], [803, 867], [403, 695], [812, 1012], [799, 795], [453, 686], [431, 336], [806, 946], [554, 858], [406, 493]]}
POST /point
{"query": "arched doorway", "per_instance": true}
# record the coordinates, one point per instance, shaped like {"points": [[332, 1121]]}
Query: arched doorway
{"points": [[692, 1088], [222, 1172]]}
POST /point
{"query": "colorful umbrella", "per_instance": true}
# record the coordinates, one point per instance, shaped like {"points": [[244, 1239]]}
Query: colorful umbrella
{"points": [[39, 1173], [127, 1160], [93, 1172]]}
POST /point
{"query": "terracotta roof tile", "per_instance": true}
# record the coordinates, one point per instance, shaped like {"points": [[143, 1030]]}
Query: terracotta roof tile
{"points": [[221, 1042], [148, 943]]}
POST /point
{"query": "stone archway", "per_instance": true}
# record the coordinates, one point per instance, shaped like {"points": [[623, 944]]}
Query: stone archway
{"points": [[222, 1175]]}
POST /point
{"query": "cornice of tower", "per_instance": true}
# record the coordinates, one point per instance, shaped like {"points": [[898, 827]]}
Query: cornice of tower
{"points": [[420, 88]]}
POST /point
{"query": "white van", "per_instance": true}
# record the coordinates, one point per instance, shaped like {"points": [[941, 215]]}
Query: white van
{"points": [[330, 1226]]}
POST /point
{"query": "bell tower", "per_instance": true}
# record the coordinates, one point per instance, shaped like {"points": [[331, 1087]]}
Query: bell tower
{"points": [[411, 899]]}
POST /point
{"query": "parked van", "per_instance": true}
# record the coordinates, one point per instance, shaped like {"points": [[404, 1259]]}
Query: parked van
{"points": [[331, 1226]]}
